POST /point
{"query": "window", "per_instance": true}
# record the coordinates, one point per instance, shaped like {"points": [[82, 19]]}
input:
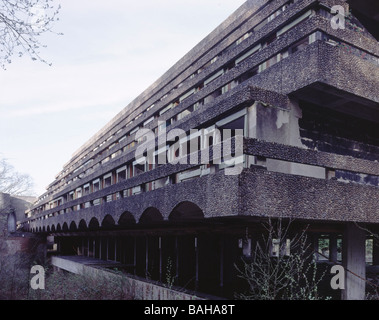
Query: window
{"points": [[213, 96], [294, 23], [213, 77], [107, 180], [121, 174], [299, 45], [244, 37], [248, 54], [229, 86], [269, 63], [148, 121], [134, 131], [183, 114], [78, 193], [96, 185], [186, 95], [86, 189]]}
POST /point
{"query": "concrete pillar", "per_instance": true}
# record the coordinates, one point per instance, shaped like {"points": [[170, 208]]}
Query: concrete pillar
{"points": [[333, 248], [115, 249], [160, 257], [196, 264], [222, 245], [176, 258], [135, 254], [100, 243], [147, 258], [354, 261], [107, 250]]}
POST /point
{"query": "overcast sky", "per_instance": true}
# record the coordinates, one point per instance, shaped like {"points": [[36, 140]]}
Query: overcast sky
{"points": [[110, 52]]}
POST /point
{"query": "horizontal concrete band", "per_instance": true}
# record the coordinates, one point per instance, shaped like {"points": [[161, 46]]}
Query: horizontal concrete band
{"points": [[251, 147], [273, 194], [265, 194], [334, 161]]}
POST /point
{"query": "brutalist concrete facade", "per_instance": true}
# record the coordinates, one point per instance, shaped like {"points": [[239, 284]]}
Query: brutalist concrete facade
{"points": [[306, 97]]}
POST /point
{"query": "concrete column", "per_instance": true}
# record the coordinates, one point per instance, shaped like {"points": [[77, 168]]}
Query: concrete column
{"points": [[354, 261], [160, 257], [115, 249], [100, 243], [107, 250], [135, 254], [222, 245], [176, 258], [196, 264], [147, 257], [333, 248]]}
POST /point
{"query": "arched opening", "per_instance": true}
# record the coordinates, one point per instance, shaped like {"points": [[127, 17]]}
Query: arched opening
{"points": [[53, 228], [59, 228], [151, 215], [126, 219], [65, 227], [186, 211], [93, 224], [82, 225], [48, 229], [73, 226], [108, 221], [11, 222]]}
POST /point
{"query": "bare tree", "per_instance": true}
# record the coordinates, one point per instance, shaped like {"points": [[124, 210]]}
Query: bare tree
{"points": [[12, 182], [22, 22], [281, 267]]}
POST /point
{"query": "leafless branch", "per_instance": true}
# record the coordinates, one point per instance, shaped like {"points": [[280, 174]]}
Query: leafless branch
{"points": [[22, 22]]}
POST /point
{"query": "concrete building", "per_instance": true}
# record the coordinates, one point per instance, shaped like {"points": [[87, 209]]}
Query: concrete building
{"points": [[299, 96], [12, 211]]}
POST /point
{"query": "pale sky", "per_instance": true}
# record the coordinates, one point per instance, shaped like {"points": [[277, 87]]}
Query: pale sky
{"points": [[110, 52]]}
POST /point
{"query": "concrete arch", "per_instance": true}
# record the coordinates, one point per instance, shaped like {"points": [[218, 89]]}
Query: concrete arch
{"points": [[73, 226], [126, 219], [82, 225], [59, 228], [93, 224], [151, 215], [53, 228], [48, 229], [108, 222], [186, 211], [65, 226]]}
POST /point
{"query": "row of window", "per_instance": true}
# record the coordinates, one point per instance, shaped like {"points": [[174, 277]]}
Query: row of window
{"points": [[183, 97], [204, 139], [260, 68]]}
